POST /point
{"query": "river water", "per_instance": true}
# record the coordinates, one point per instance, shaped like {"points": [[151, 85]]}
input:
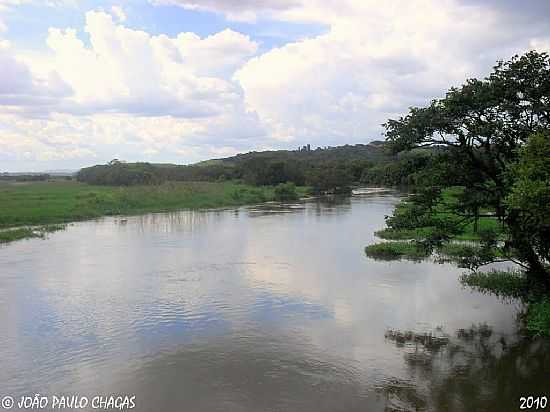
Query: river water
{"points": [[265, 308]]}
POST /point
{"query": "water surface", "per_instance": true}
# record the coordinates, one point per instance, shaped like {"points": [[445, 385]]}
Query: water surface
{"points": [[266, 308]]}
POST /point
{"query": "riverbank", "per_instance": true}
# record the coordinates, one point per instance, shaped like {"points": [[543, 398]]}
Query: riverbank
{"points": [[40, 204], [443, 210], [417, 234]]}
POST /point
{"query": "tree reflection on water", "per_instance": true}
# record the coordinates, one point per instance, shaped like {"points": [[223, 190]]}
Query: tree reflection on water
{"points": [[472, 370]]}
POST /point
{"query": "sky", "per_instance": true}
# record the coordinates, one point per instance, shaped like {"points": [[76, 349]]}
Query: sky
{"points": [[180, 81]]}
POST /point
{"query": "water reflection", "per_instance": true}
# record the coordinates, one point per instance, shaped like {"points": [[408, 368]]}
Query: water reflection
{"points": [[188, 221], [271, 307], [253, 371], [320, 206], [474, 369]]}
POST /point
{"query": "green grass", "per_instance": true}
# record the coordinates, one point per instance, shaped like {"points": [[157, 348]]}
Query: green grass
{"points": [[16, 234], [504, 284], [392, 234], [538, 318], [458, 250], [11, 235], [404, 234], [442, 211], [420, 233], [484, 224], [64, 201], [396, 250], [449, 198]]}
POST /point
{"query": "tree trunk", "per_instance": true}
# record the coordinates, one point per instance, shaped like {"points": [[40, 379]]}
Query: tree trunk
{"points": [[538, 271], [520, 241]]}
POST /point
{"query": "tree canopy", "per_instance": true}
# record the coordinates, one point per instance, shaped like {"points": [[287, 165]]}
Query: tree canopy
{"points": [[493, 131]]}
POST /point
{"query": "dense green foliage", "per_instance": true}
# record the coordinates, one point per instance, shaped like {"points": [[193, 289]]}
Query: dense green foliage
{"points": [[538, 317], [285, 192], [528, 202], [487, 178], [493, 135], [332, 169], [504, 284]]}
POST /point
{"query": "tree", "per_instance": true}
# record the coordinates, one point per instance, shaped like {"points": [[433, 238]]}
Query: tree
{"points": [[330, 179], [483, 124], [528, 204]]}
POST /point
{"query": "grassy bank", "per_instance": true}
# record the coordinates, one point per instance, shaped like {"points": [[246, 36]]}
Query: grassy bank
{"points": [[402, 241], [467, 245], [515, 285], [396, 250], [11, 235], [443, 211], [45, 203]]}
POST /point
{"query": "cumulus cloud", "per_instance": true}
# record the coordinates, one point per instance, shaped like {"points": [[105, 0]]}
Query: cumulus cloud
{"points": [[237, 10], [118, 12], [126, 91], [376, 60], [129, 71], [21, 91], [106, 89]]}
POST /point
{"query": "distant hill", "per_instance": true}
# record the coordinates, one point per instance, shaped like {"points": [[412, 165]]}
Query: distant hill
{"points": [[373, 151], [324, 169]]}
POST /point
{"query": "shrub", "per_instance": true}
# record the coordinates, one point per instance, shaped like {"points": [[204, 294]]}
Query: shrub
{"points": [[538, 318], [504, 284], [396, 250], [285, 191]]}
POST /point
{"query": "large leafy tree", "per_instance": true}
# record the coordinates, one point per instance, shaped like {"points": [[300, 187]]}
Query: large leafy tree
{"points": [[529, 200], [483, 124]]}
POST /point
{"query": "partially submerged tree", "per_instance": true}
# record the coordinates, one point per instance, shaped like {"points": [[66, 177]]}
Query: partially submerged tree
{"points": [[483, 124]]}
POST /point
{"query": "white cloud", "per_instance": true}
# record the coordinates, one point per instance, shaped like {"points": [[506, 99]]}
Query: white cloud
{"points": [[127, 92], [377, 59], [236, 10], [23, 92], [66, 140], [118, 12], [106, 88], [130, 71]]}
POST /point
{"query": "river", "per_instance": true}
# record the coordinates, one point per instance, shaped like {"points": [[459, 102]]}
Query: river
{"points": [[262, 308]]}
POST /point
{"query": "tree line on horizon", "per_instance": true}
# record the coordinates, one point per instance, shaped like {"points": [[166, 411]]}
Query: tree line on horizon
{"points": [[329, 169]]}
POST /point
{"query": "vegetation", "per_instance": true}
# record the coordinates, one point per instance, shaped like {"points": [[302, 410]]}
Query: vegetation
{"points": [[514, 284], [331, 169], [11, 235], [36, 177], [65, 201], [479, 159], [285, 192], [538, 317], [16, 234], [504, 284], [493, 136], [396, 250]]}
